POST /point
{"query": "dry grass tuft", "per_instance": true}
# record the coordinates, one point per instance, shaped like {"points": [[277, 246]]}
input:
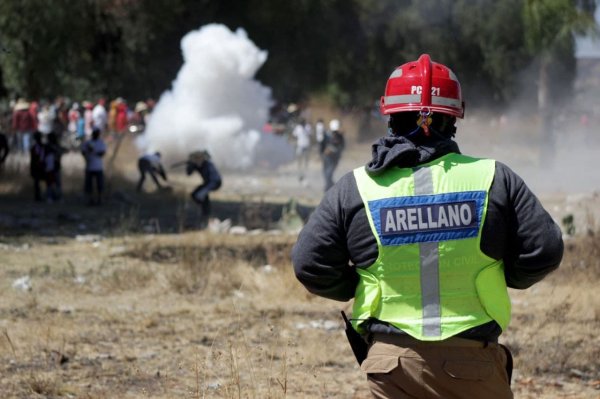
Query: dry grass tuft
{"points": [[47, 385], [582, 257], [127, 278], [190, 275]]}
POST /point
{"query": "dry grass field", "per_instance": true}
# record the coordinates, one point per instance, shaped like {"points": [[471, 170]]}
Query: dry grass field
{"points": [[121, 301]]}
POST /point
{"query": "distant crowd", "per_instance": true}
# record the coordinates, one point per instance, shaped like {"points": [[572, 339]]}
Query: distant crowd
{"points": [[71, 121], [329, 141], [45, 130], [292, 122]]}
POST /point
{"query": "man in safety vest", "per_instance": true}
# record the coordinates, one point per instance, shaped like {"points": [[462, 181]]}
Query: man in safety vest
{"points": [[427, 240]]}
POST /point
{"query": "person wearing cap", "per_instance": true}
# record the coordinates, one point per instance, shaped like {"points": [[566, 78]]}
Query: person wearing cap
{"points": [[200, 161], [426, 241], [331, 148], [140, 108], [23, 126]]}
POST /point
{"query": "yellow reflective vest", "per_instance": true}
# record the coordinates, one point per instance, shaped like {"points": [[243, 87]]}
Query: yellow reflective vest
{"points": [[431, 279]]}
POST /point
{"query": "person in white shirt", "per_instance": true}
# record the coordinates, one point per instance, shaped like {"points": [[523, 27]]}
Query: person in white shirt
{"points": [[150, 164], [93, 150], [45, 119], [319, 131], [99, 116], [302, 135]]}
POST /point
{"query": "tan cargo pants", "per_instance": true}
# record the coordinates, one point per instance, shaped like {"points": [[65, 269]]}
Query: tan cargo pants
{"points": [[402, 367]]}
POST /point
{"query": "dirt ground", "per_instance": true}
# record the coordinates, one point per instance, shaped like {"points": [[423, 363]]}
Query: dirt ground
{"points": [[127, 300]]}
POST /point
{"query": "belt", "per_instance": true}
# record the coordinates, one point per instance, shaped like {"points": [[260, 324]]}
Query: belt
{"points": [[408, 341]]}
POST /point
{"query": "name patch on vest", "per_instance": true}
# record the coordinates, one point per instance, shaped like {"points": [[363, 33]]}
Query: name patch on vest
{"points": [[426, 218]]}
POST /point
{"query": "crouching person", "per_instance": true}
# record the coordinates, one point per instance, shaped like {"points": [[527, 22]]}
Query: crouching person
{"points": [[200, 162]]}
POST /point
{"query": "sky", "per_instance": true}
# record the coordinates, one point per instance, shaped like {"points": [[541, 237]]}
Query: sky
{"points": [[588, 47]]}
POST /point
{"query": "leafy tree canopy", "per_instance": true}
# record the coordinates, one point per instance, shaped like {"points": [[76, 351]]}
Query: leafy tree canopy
{"points": [[344, 49]]}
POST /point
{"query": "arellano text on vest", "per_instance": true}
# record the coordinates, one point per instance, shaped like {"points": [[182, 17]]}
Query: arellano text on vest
{"points": [[428, 217]]}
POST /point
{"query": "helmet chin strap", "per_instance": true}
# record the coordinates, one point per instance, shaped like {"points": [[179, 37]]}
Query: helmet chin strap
{"points": [[425, 120], [423, 123]]}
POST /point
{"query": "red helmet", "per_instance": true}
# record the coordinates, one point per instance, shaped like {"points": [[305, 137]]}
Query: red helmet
{"points": [[425, 86]]}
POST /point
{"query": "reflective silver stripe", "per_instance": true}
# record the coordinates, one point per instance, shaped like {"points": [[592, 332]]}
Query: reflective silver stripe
{"points": [[449, 102], [430, 289], [396, 74], [429, 266], [423, 181], [402, 99], [452, 75]]}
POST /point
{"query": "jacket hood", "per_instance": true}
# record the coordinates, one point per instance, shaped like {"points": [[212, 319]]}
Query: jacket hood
{"points": [[398, 151]]}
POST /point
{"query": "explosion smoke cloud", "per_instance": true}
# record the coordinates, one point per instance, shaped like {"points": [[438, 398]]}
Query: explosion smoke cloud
{"points": [[215, 103]]}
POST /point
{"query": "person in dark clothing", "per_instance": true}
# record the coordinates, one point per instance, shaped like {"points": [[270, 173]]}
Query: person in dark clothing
{"points": [[52, 164], [37, 165], [200, 162], [93, 151], [331, 148], [4, 148], [150, 164], [427, 240]]}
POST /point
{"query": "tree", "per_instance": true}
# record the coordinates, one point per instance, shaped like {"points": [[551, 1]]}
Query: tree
{"points": [[482, 40], [550, 29], [344, 49], [43, 41]]}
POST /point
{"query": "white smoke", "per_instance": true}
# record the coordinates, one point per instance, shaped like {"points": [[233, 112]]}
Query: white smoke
{"points": [[214, 104]]}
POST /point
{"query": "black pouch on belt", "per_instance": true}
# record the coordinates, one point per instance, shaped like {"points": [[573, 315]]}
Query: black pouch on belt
{"points": [[357, 343], [509, 363]]}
